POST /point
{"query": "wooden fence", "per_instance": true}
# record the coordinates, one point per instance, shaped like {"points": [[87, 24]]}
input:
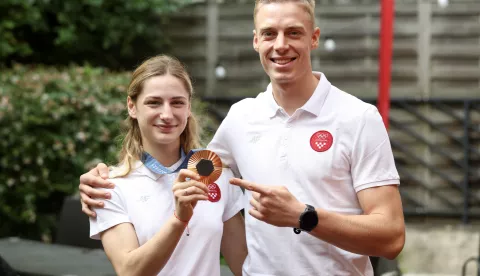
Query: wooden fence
{"points": [[436, 55], [436, 50]]}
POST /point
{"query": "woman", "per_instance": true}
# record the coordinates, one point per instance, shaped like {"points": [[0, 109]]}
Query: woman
{"points": [[158, 220]]}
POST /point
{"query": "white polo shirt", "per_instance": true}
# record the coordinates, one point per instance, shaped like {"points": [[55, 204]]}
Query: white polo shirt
{"points": [[145, 199], [327, 151]]}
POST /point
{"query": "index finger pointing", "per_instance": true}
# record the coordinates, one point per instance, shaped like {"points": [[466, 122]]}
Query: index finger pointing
{"points": [[251, 186]]}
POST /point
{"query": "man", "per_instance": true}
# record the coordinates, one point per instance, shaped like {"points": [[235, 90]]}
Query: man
{"points": [[316, 162]]}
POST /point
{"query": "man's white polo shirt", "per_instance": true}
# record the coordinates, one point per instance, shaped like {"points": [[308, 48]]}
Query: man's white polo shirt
{"points": [[145, 199], [327, 151]]}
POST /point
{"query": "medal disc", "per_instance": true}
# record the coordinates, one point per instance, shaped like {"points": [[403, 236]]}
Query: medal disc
{"points": [[207, 164]]}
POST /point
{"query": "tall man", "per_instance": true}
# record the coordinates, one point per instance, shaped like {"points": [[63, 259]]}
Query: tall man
{"points": [[316, 162]]}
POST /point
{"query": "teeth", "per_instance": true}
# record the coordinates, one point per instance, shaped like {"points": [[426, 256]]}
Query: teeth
{"points": [[282, 61]]}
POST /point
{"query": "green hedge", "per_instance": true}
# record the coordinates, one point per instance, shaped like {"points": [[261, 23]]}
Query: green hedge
{"points": [[112, 33], [55, 125]]}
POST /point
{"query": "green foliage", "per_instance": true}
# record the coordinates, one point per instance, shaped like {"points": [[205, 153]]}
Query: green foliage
{"points": [[113, 33], [54, 126], [14, 16]]}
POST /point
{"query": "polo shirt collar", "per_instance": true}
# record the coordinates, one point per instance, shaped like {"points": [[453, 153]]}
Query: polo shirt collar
{"points": [[140, 169], [313, 105]]}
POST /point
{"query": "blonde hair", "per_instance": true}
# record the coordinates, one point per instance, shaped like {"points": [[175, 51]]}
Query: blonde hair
{"points": [[309, 6], [132, 148]]}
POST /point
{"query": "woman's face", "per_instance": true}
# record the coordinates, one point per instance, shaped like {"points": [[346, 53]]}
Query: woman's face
{"points": [[162, 110]]}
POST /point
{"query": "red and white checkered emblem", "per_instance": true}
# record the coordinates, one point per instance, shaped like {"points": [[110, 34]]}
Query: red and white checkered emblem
{"points": [[321, 141], [214, 193]]}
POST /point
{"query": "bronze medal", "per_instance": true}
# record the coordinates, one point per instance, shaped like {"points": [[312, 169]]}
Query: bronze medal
{"points": [[207, 164]]}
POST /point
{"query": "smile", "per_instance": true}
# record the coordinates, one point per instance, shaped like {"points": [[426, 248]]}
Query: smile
{"points": [[282, 61], [165, 127]]}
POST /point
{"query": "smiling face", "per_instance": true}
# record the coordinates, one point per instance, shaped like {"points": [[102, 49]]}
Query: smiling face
{"points": [[162, 109], [284, 37]]}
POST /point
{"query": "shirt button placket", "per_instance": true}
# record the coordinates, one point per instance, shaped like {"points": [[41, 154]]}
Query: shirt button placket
{"points": [[284, 142]]}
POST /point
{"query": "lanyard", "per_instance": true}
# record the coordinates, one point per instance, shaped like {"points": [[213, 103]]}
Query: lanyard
{"points": [[153, 165]]}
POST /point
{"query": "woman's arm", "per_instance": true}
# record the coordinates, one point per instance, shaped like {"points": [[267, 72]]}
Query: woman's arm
{"points": [[128, 258], [121, 243], [234, 246]]}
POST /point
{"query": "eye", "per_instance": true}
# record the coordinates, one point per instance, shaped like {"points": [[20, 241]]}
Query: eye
{"points": [[153, 102], [295, 33], [178, 102], [268, 34]]}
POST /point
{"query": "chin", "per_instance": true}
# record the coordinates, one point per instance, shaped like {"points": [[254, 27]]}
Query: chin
{"points": [[165, 139], [281, 78]]}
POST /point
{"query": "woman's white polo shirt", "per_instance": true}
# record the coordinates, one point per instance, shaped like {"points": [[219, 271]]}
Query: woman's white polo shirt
{"points": [[145, 199]]}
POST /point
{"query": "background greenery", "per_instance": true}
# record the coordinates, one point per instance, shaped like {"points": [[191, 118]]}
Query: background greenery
{"points": [[55, 125], [112, 33], [60, 107]]}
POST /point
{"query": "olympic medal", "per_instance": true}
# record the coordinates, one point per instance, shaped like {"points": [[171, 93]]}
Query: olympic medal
{"points": [[207, 164]]}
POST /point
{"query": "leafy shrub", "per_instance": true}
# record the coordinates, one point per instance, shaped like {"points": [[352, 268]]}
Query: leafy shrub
{"points": [[54, 126], [112, 33]]}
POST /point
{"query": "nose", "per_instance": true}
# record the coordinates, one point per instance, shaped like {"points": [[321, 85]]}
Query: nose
{"points": [[281, 43], [166, 113]]}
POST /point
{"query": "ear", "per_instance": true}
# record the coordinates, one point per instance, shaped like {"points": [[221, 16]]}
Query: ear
{"points": [[132, 109], [255, 41], [315, 37]]}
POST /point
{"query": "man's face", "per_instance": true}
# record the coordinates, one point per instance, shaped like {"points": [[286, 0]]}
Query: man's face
{"points": [[284, 38]]}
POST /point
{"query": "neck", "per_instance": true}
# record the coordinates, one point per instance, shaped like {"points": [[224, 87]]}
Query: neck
{"points": [[167, 154], [293, 95]]}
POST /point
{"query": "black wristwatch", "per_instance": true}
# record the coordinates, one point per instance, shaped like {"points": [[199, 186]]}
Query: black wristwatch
{"points": [[308, 220]]}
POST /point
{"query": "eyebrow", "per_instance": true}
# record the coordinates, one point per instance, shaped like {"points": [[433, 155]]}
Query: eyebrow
{"points": [[266, 29], [289, 28], [296, 28], [160, 98]]}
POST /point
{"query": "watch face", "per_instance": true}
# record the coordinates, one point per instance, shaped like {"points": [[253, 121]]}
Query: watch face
{"points": [[309, 220]]}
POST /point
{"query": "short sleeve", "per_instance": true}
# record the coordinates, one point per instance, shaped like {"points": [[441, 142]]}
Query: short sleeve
{"points": [[220, 143], [113, 213], [235, 199], [372, 157]]}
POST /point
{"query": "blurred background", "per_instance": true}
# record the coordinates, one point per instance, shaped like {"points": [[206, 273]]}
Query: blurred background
{"points": [[65, 67]]}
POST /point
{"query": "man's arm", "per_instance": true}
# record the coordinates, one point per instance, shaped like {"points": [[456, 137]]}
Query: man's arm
{"points": [[234, 246], [379, 231]]}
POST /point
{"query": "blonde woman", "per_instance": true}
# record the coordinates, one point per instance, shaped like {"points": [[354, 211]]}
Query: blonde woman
{"points": [[158, 219]]}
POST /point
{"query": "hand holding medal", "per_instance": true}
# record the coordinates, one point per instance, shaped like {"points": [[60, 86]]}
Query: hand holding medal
{"points": [[208, 165]]}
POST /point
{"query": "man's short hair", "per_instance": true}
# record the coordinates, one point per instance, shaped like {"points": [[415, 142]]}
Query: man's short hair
{"points": [[309, 6]]}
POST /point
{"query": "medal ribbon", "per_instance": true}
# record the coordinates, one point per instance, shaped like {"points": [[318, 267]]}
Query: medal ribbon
{"points": [[152, 164]]}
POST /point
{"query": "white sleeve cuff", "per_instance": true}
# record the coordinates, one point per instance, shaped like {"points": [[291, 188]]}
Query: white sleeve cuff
{"points": [[97, 228], [364, 186]]}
